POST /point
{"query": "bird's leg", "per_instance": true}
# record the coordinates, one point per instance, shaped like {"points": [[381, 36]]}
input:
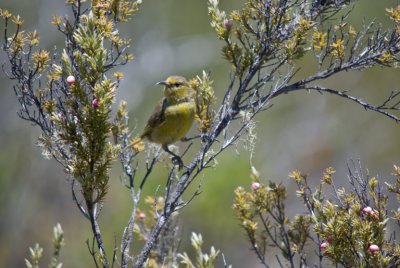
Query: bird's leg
{"points": [[176, 159], [184, 139]]}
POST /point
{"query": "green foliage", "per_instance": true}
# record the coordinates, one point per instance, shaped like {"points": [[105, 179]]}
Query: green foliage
{"points": [[394, 14], [58, 242], [74, 115], [263, 36], [36, 253], [350, 229], [73, 106], [203, 260], [165, 252], [252, 32], [261, 213], [204, 99]]}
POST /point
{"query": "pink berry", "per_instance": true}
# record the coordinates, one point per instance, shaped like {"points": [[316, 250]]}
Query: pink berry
{"points": [[367, 210], [373, 248], [323, 245], [95, 103], [71, 80], [142, 216], [100, 5], [228, 24], [255, 186]]}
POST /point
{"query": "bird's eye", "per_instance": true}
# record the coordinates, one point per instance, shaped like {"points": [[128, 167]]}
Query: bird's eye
{"points": [[176, 85]]}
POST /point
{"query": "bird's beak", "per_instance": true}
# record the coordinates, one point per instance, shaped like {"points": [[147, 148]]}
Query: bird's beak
{"points": [[162, 83]]}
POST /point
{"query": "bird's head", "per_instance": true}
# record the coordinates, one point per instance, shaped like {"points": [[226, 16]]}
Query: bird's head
{"points": [[176, 88]]}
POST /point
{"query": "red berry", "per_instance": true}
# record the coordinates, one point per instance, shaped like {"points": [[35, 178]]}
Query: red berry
{"points": [[142, 216], [255, 186], [95, 103], [71, 80], [329, 239], [373, 248]]}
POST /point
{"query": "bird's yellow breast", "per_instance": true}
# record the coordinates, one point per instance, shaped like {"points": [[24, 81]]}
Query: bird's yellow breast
{"points": [[178, 120]]}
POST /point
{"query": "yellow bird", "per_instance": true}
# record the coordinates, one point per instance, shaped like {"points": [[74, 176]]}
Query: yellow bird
{"points": [[174, 115]]}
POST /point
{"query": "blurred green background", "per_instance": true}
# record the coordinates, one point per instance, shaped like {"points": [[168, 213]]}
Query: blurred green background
{"points": [[302, 131]]}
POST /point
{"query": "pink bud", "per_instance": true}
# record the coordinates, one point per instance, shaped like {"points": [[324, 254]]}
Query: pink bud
{"points": [[100, 5], [71, 80], [142, 216], [323, 245], [367, 210], [373, 248], [95, 103], [228, 24], [255, 186], [372, 213]]}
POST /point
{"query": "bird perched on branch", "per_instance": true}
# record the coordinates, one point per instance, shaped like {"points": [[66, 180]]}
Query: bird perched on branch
{"points": [[174, 115]]}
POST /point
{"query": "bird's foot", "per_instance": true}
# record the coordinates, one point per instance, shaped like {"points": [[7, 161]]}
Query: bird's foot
{"points": [[176, 160]]}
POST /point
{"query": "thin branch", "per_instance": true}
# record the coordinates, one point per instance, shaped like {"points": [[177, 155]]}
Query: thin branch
{"points": [[92, 252], [359, 101], [114, 257], [78, 204], [96, 231]]}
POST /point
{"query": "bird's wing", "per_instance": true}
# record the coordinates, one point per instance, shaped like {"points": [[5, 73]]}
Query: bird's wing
{"points": [[156, 119]]}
